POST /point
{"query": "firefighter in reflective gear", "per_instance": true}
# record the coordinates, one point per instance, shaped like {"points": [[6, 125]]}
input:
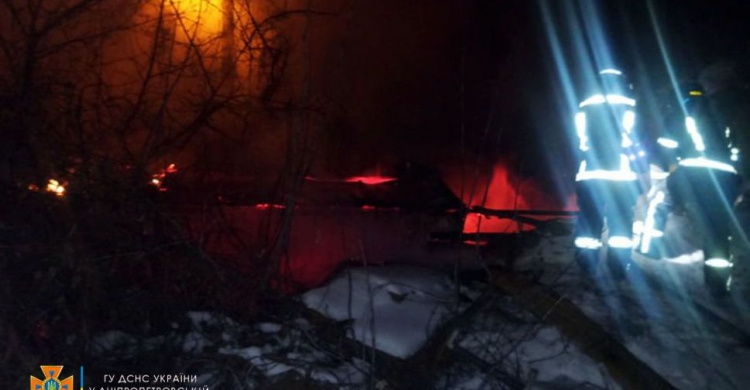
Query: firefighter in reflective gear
{"points": [[703, 182], [606, 182]]}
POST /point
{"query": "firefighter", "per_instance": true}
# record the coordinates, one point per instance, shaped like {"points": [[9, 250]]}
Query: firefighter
{"points": [[606, 182], [703, 183]]}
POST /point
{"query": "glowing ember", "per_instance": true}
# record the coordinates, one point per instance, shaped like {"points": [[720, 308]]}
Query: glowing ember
{"points": [[370, 180], [478, 223], [55, 187], [157, 180], [476, 243], [266, 206], [366, 180]]}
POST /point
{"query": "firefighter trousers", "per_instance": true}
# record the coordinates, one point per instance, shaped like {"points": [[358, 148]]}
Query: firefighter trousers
{"points": [[609, 201], [708, 196]]}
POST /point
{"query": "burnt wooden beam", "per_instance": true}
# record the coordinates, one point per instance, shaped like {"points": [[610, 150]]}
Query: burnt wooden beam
{"points": [[507, 213], [524, 216]]}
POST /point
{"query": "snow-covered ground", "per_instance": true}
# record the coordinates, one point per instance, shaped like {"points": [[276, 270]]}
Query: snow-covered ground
{"points": [[229, 355], [661, 312], [659, 322], [396, 309], [510, 340]]}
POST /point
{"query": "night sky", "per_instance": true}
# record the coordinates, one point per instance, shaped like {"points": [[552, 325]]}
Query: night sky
{"points": [[514, 101], [431, 66], [467, 82]]}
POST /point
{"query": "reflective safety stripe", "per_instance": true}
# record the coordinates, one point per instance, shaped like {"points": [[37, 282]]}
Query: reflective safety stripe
{"points": [[611, 99], [695, 135], [656, 174], [718, 263], [703, 162], [587, 243], [623, 174], [648, 225], [581, 130], [596, 99], [626, 141], [620, 242], [667, 143], [659, 175], [619, 99], [628, 120], [637, 230], [688, 258], [606, 175]]}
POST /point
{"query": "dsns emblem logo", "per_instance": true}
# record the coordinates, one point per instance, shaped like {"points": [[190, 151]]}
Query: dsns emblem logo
{"points": [[50, 381]]}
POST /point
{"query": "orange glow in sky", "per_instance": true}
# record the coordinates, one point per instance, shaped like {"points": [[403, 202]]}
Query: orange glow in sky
{"points": [[204, 18]]}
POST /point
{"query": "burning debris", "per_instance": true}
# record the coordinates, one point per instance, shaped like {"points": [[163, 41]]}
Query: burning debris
{"points": [[55, 187], [370, 180], [157, 180]]}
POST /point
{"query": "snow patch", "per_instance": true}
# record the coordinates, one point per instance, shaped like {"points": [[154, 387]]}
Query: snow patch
{"points": [[394, 309]]}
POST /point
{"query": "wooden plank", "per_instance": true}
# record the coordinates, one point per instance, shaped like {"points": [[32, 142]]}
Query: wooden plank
{"points": [[524, 216], [508, 213]]}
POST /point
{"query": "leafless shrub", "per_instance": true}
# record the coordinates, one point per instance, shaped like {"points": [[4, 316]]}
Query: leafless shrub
{"points": [[98, 95]]}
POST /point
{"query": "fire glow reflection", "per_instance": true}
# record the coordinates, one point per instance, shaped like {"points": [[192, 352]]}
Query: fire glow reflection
{"points": [[504, 190], [370, 180]]}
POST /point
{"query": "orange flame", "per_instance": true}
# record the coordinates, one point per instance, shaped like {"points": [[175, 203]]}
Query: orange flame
{"points": [[157, 179], [503, 190], [55, 187], [266, 206], [203, 17]]}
